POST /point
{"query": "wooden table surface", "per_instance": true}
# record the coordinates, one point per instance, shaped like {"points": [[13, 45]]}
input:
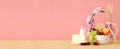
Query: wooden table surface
{"points": [[50, 44]]}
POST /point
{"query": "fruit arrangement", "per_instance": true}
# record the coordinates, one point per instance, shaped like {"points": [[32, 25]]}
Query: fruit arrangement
{"points": [[99, 33]]}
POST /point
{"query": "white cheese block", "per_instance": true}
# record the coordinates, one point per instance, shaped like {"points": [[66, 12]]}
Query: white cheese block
{"points": [[77, 38]]}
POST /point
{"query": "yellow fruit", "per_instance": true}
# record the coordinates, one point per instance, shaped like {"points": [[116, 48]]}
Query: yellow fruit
{"points": [[106, 31], [99, 26]]}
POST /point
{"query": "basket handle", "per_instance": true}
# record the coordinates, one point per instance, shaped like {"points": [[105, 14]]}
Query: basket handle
{"points": [[116, 31]]}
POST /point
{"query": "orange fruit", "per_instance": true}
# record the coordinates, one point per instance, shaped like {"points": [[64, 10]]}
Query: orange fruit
{"points": [[106, 31]]}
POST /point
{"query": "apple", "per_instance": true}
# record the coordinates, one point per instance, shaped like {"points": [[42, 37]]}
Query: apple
{"points": [[106, 31]]}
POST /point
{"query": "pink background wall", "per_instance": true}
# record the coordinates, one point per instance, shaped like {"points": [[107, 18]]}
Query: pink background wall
{"points": [[49, 19]]}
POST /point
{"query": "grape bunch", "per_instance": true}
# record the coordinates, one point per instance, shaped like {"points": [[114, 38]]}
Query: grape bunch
{"points": [[92, 38]]}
